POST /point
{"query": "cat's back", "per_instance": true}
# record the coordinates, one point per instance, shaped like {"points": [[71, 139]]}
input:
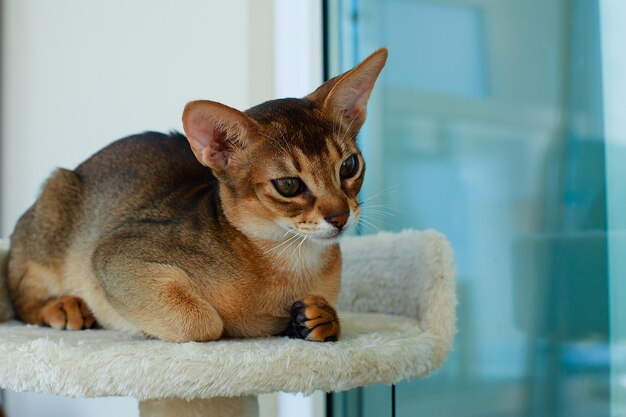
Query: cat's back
{"points": [[149, 170], [146, 160], [117, 182]]}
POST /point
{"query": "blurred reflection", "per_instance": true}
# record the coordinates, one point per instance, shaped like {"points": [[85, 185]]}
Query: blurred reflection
{"points": [[487, 125]]}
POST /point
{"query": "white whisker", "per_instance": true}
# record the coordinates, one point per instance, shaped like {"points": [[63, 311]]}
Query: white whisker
{"points": [[304, 238], [290, 239], [378, 221], [370, 224], [381, 206], [376, 211], [288, 246], [291, 229], [380, 193]]}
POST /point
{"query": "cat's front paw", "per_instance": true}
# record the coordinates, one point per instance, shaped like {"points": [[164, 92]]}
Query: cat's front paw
{"points": [[314, 319]]}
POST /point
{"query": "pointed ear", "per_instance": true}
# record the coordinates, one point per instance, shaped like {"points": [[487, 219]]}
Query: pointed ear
{"points": [[345, 97], [216, 132]]}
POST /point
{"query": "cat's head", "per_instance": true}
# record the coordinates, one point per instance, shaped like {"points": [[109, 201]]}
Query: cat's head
{"points": [[289, 166]]}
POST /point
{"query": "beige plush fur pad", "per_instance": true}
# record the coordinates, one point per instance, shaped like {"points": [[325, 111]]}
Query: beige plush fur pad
{"points": [[375, 348], [409, 274]]}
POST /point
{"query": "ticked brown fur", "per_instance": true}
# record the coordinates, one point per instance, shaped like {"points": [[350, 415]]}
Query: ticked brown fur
{"points": [[185, 244]]}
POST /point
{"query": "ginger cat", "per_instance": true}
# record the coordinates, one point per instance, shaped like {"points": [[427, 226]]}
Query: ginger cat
{"points": [[236, 236]]}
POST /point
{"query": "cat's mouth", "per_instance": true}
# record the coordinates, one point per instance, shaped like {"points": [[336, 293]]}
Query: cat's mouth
{"points": [[328, 233], [322, 232], [322, 235]]}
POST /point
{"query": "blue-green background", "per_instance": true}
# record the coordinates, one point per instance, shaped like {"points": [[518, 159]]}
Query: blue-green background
{"points": [[487, 124]]}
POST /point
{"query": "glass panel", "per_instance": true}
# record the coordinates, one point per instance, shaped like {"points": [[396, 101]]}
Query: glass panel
{"points": [[374, 401], [487, 124], [613, 15]]}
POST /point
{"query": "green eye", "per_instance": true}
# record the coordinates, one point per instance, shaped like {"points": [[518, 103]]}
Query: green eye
{"points": [[289, 187], [349, 167]]}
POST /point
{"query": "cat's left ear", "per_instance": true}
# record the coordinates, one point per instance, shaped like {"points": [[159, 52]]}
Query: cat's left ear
{"points": [[216, 132], [345, 97]]}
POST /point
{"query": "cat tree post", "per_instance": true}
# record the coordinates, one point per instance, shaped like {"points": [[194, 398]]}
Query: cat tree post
{"points": [[210, 407], [397, 308]]}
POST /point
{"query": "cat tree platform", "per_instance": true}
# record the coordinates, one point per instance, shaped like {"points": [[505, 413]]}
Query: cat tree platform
{"points": [[398, 320]]}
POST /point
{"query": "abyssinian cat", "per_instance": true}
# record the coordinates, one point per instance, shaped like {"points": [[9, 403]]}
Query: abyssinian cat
{"points": [[233, 236]]}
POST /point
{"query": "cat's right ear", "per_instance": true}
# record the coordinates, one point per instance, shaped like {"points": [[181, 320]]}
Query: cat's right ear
{"points": [[216, 132]]}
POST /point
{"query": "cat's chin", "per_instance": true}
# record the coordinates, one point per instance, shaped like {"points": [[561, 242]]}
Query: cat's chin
{"points": [[329, 240]]}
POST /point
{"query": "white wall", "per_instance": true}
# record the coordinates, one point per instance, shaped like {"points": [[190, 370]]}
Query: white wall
{"points": [[298, 62], [79, 74]]}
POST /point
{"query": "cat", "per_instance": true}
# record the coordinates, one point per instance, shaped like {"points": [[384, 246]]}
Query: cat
{"points": [[228, 231]]}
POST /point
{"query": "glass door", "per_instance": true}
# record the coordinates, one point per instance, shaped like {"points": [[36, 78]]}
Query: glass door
{"points": [[488, 125]]}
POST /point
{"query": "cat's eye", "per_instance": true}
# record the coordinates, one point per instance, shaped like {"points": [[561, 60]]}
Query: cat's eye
{"points": [[289, 187], [349, 167]]}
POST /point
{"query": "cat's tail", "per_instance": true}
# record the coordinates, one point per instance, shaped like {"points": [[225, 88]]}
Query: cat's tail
{"points": [[6, 309]]}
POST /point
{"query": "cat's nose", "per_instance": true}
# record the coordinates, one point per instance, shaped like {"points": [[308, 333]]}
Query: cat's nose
{"points": [[338, 219]]}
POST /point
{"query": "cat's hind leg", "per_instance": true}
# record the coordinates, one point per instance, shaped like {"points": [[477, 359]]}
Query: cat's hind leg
{"points": [[35, 292], [38, 247], [159, 299]]}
